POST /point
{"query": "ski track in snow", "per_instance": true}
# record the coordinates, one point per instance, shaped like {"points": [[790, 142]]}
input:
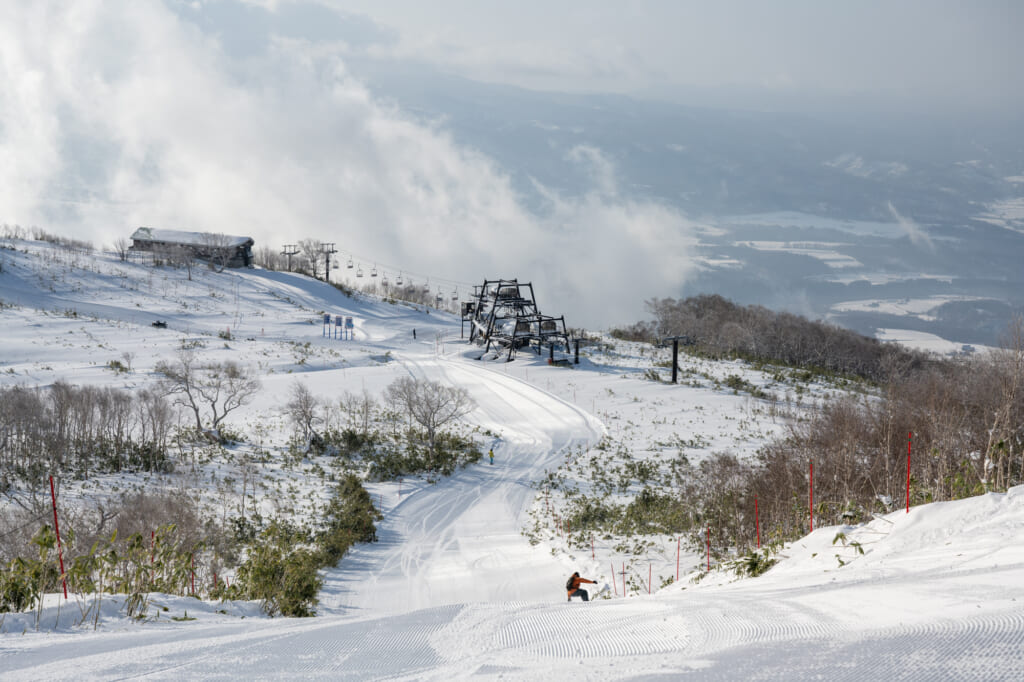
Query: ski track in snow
{"points": [[645, 639], [445, 544], [452, 590]]}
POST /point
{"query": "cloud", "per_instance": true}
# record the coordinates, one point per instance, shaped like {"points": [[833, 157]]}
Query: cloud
{"points": [[918, 235], [119, 115]]}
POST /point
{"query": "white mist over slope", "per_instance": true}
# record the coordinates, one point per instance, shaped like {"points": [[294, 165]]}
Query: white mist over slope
{"points": [[453, 589], [120, 115]]}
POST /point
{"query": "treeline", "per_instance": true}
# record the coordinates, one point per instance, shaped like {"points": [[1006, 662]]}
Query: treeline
{"points": [[8, 231], [963, 421], [81, 430], [309, 260], [405, 435], [720, 328], [111, 551]]}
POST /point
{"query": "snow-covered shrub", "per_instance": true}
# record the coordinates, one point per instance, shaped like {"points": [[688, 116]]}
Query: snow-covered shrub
{"points": [[281, 571], [350, 518]]}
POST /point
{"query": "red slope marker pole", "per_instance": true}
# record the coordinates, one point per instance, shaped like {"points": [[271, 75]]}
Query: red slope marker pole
{"points": [[757, 524], [810, 499], [909, 436], [615, 583], [60, 550]]}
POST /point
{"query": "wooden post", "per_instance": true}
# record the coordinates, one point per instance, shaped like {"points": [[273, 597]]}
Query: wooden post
{"points": [[623, 578], [56, 529]]}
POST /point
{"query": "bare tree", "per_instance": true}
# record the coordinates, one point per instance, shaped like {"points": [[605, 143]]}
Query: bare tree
{"points": [[215, 389], [268, 258], [1006, 386], [311, 252], [179, 380], [180, 256], [218, 248], [156, 417], [429, 403], [301, 408], [358, 411], [121, 247]]}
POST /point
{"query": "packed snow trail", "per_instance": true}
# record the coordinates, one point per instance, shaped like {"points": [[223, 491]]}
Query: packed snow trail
{"points": [[453, 591], [460, 541], [777, 630]]}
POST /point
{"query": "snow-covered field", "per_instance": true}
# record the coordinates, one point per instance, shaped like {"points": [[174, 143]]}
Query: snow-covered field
{"points": [[454, 588], [916, 307], [927, 342]]}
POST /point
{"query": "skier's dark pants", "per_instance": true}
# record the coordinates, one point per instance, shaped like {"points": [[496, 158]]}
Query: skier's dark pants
{"points": [[581, 593]]}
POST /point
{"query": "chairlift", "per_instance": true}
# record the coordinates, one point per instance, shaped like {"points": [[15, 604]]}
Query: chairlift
{"points": [[334, 265], [359, 271], [426, 287], [398, 281], [384, 279], [373, 271], [455, 294], [350, 264]]}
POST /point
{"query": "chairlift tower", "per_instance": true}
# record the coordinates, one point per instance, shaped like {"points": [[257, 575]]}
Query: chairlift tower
{"points": [[290, 250], [327, 248], [505, 314]]}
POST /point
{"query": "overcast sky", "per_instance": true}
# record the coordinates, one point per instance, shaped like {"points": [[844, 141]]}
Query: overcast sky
{"points": [[933, 51], [251, 118]]}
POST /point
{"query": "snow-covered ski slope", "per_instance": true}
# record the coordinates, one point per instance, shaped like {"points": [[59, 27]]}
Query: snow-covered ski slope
{"points": [[453, 589]]}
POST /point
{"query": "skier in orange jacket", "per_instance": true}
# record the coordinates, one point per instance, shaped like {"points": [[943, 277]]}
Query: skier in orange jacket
{"points": [[574, 589]]}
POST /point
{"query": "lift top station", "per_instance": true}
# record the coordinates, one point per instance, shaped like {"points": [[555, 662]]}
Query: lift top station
{"points": [[503, 314]]}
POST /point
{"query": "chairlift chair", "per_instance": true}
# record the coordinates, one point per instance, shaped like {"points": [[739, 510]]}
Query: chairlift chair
{"points": [[384, 279], [334, 265], [359, 271], [398, 280], [373, 271], [455, 294], [350, 264]]}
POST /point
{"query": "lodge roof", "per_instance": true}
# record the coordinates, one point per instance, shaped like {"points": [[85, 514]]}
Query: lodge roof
{"points": [[149, 234]]}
